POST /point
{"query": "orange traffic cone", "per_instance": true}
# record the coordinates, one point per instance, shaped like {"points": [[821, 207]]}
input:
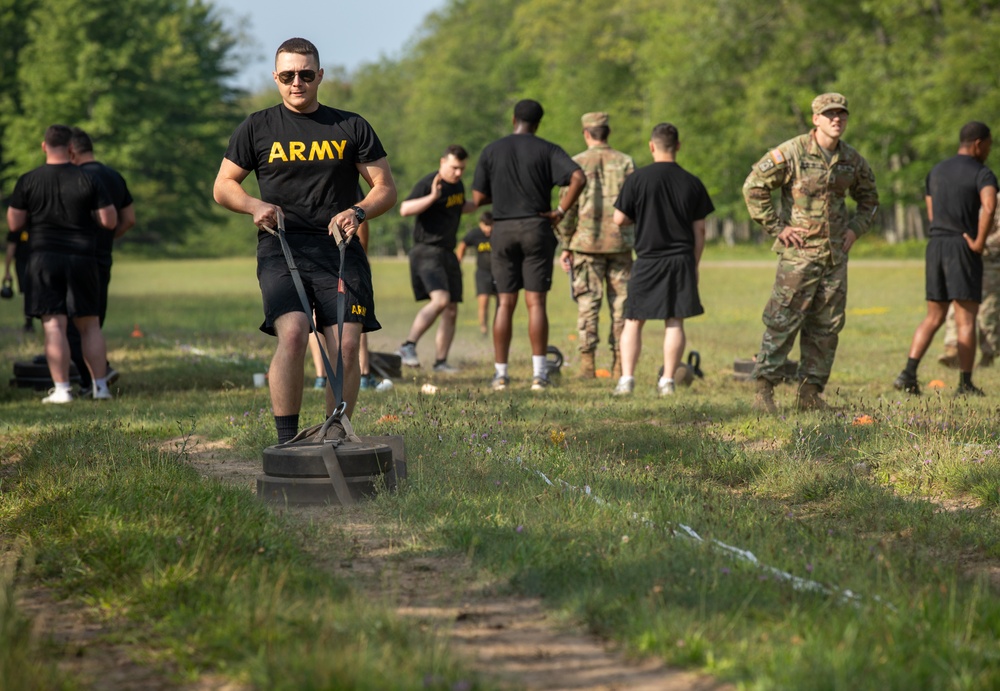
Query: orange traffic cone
{"points": [[136, 333]]}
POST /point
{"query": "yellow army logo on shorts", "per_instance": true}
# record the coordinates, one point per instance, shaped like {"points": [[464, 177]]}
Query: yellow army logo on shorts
{"points": [[318, 151], [359, 310]]}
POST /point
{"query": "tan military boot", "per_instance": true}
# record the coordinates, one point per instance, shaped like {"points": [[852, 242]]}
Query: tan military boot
{"points": [[763, 401], [950, 357], [586, 366], [809, 398], [616, 366]]}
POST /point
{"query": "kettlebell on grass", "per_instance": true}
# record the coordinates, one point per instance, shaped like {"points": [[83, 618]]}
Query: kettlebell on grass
{"points": [[686, 372], [7, 292]]}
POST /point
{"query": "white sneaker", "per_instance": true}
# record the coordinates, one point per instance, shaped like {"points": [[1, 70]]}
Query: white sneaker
{"points": [[665, 388], [408, 354], [625, 387], [102, 394], [58, 396]]}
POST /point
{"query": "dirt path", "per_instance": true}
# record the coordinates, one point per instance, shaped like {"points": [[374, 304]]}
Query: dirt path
{"points": [[509, 638], [506, 637]]}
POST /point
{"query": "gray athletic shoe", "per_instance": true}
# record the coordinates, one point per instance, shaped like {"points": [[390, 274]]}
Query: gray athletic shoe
{"points": [[445, 368], [408, 354], [666, 388], [625, 387], [499, 382], [540, 383]]}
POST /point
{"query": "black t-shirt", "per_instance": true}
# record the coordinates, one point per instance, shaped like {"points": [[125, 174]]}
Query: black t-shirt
{"points": [[477, 239], [60, 200], [518, 173], [438, 225], [117, 189], [953, 186], [305, 163], [664, 200]]}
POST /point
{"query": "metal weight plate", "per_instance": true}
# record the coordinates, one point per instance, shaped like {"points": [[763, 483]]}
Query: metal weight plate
{"points": [[305, 460], [313, 490]]}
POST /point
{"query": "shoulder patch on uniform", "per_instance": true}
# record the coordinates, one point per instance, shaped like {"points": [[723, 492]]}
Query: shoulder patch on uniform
{"points": [[765, 165], [777, 156]]}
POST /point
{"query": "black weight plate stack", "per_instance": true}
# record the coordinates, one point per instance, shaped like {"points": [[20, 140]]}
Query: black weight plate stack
{"points": [[297, 474], [35, 374]]}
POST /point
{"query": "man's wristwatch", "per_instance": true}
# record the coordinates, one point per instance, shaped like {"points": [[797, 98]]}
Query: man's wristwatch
{"points": [[359, 214]]}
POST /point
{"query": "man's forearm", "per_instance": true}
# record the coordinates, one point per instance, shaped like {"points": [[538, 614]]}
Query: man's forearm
{"points": [[379, 199]]}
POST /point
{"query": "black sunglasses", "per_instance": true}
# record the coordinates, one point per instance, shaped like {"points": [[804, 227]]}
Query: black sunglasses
{"points": [[288, 76]]}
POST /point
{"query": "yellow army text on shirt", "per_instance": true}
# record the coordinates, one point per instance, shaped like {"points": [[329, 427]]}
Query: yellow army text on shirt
{"points": [[812, 196], [589, 225]]}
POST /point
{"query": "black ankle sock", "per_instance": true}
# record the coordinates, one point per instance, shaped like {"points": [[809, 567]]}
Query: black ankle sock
{"points": [[412, 343], [287, 425], [965, 379], [440, 362], [911, 366]]}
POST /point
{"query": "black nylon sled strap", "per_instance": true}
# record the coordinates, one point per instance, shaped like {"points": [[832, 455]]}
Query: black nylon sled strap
{"points": [[332, 464], [336, 380]]}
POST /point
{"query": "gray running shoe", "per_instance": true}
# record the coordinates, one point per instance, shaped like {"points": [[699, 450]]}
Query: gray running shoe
{"points": [[625, 387], [499, 382], [408, 354], [666, 388], [540, 383], [445, 368]]}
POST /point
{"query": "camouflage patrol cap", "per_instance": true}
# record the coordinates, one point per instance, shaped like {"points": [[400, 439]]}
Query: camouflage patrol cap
{"points": [[594, 119], [831, 101]]}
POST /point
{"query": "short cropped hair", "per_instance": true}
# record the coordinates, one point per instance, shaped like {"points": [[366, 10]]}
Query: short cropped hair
{"points": [[81, 141], [529, 111], [600, 132], [457, 151], [665, 137], [58, 136], [486, 217], [973, 131], [299, 46]]}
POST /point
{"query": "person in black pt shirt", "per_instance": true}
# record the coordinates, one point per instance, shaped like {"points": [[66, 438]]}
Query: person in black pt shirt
{"points": [[81, 153], [438, 201], [307, 158], [516, 175], [961, 194], [668, 206], [57, 203], [479, 238]]}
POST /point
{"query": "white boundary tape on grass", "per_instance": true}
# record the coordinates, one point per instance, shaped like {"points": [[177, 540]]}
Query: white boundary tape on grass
{"points": [[797, 582]]}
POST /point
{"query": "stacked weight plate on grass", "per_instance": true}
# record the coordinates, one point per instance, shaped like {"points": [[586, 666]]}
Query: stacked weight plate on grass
{"points": [[298, 473]]}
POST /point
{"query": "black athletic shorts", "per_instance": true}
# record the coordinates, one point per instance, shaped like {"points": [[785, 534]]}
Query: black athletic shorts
{"points": [[663, 288], [435, 268], [521, 254], [952, 271], [62, 284], [318, 261], [484, 283]]}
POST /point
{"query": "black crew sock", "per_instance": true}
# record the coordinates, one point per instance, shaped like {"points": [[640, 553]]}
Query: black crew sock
{"points": [[287, 425], [911, 366], [412, 343], [965, 379], [440, 362]]}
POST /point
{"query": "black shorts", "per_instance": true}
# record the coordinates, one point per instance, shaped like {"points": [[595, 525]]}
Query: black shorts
{"points": [[521, 254], [952, 271], [318, 261], [62, 284], [663, 288], [484, 283], [435, 268]]}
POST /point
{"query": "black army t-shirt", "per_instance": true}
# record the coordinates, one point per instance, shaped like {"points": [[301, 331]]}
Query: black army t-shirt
{"points": [[117, 189], [954, 186], [664, 200], [518, 173], [478, 239], [305, 162], [438, 225], [60, 200]]}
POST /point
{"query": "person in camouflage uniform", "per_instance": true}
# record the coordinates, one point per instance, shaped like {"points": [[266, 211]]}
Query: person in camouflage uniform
{"points": [[988, 318], [814, 233], [597, 253]]}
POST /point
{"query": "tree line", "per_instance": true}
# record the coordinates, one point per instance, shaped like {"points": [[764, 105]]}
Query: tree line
{"points": [[147, 79]]}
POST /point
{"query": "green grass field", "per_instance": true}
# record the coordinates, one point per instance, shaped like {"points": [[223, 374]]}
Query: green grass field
{"points": [[891, 498]]}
